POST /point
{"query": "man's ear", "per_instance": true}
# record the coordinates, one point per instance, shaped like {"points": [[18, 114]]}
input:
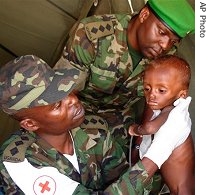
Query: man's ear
{"points": [[144, 14], [29, 124]]}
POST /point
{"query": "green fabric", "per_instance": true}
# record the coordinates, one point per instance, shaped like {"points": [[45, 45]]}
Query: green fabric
{"points": [[28, 81], [178, 15], [112, 84], [111, 76], [135, 55], [93, 146]]}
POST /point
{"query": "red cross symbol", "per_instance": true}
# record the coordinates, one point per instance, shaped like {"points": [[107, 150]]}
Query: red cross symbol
{"points": [[44, 187]]}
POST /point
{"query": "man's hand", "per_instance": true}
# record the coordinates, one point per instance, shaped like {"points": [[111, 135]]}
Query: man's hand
{"points": [[172, 133]]}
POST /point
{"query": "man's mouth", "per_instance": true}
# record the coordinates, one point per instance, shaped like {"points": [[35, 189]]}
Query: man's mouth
{"points": [[79, 112]]}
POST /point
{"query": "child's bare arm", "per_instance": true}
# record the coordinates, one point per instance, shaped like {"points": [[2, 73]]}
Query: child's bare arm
{"points": [[150, 127]]}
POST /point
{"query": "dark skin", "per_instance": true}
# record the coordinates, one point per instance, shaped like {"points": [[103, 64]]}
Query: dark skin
{"points": [[150, 36], [157, 42], [160, 93], [54, 121], [181, 179]]}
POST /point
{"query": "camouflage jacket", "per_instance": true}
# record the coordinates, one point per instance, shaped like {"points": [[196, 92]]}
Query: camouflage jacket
{"points": [[99, 49], [109, 84], [102, 164]]}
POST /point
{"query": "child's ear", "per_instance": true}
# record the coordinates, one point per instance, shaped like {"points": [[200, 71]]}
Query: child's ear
{"points": [[29, 124], [183, 93]]}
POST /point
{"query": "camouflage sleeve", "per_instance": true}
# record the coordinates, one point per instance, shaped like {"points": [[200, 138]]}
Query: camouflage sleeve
{"points": [[82, 50], [79, 51], [78, 54], [7, 185], [131, 182], [115, 171], [122, 179]]}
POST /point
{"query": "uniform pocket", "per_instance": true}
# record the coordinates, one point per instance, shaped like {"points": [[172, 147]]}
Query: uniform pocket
{"points": [[102, 80]]}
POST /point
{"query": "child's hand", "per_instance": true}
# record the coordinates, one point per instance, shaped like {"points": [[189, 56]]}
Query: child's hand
{"points": [[133, 130]]}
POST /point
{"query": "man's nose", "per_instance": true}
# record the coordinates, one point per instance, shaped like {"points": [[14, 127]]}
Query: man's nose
{"points": [[166, 43]]}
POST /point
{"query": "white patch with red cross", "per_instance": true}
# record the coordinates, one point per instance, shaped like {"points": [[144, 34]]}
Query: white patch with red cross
{"points": [[43, 181]]}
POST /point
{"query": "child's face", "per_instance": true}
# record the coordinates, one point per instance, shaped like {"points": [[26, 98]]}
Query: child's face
{"points": [[59, 117], [161, 87]]}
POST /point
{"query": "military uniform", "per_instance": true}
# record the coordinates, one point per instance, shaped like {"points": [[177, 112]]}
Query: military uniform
{"points": [[111, 83], [101, 162], [111, 77], [99, 48], [28, 82]]}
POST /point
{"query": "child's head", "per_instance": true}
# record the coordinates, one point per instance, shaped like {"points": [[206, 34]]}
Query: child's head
{"points": [[38, 96], [166, 79]]}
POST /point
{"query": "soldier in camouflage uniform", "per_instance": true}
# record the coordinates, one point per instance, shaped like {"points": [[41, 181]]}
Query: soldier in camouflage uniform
{"points": [[58, 150], [110, 51]]}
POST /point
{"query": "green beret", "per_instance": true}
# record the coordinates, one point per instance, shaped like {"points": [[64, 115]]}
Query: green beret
{"points": [[177, 15]]}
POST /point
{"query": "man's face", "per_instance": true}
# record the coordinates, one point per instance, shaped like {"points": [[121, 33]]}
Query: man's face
{"points": [[153, 37], [162, 86], [58, 117]]}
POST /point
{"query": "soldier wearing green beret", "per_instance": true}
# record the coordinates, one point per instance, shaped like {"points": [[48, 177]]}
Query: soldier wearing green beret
{"points": [[58, 150], [111, 50]]}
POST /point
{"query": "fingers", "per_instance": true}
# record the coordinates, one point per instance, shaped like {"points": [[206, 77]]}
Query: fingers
{"points": [[132, 128], [132, 132]]}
